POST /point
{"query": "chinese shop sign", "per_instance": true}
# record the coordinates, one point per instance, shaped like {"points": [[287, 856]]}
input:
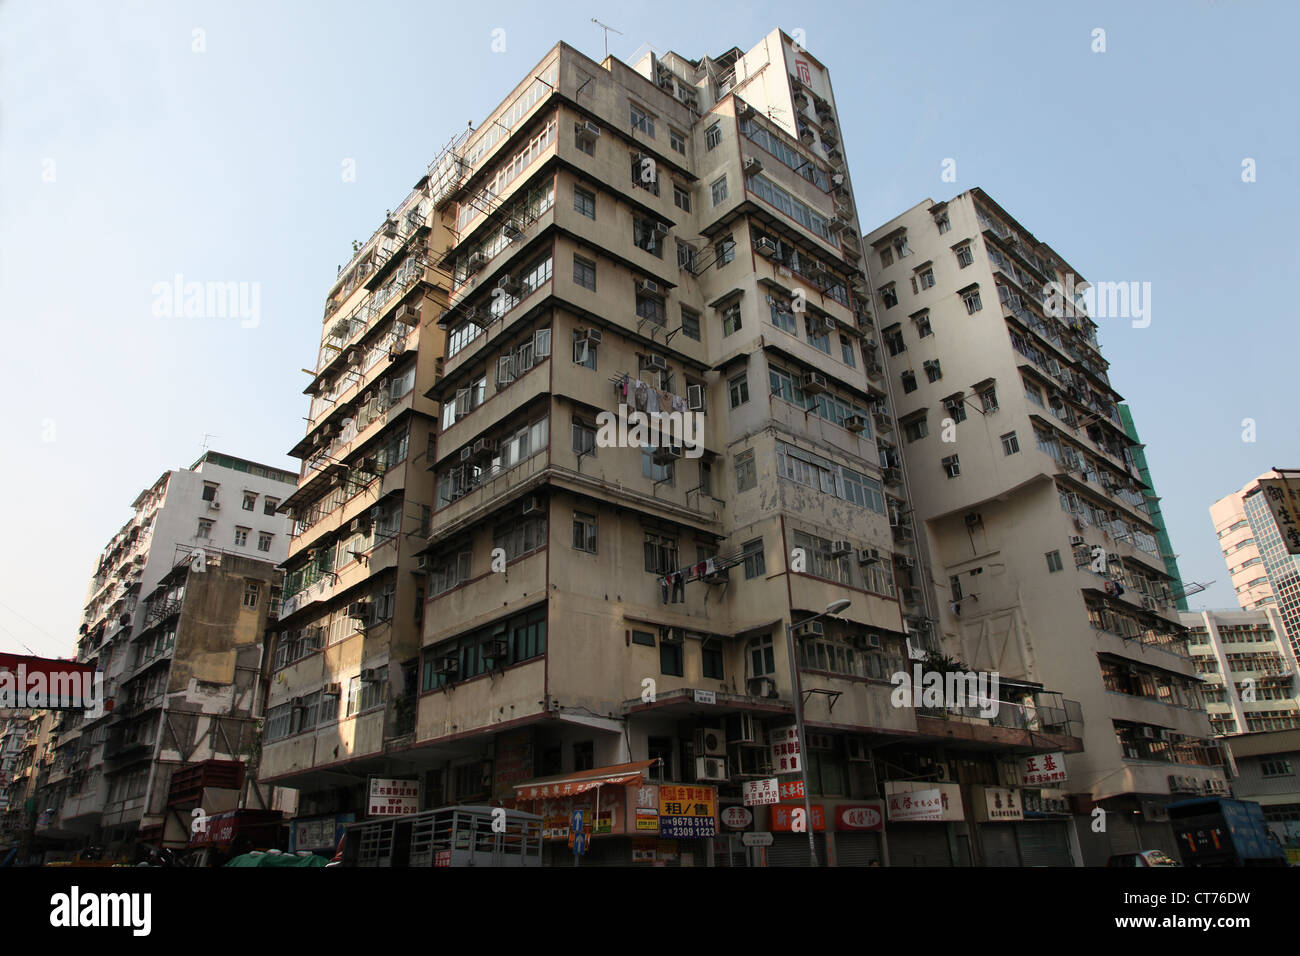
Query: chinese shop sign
{"points": [[783, 818], [687, 811], [390, 797], [1042, 768], [785, 750]]}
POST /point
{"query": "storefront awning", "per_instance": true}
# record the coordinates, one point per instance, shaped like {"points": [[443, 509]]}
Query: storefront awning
{"points": [[572, 784]]}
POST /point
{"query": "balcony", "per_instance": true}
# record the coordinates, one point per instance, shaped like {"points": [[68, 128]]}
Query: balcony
{"points": [[1056, 718]]}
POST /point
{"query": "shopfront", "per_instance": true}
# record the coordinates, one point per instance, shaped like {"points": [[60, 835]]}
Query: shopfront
{"points": [[626, 820], [920, 815], [859, 828]]}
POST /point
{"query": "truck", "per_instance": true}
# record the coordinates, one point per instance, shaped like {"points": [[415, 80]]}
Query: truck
{"points": [[451, 836], [1216, 831]]}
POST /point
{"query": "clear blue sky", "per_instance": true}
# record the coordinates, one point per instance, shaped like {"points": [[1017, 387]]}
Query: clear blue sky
{"points": [[126, 158]]}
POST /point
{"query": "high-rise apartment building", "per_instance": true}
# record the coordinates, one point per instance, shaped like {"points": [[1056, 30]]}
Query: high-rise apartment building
{"points": [[1263, 573], [1031, 505], [1248, 667], [604, 620], [342, 660], [169, 649]]}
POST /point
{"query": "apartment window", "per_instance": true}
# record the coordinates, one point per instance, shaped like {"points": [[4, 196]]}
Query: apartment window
{"points": [[894, 340], [926, 278], [988, 400], [762, 658], [955, 407], [889, 296], [713, 135], [951, 466], [681, 198], [650, 306], [818, 332], [932, 370], [584, 438], [670, 658], [646, 236], [915, 430], [718, 191], [690, 323], [846, 352], [584, 202], [1010, 444], [264, 541], [738, 389], [205, 528], [584, 351], [964, 256], [270, 505], [746, 475], [209, 491], [584, 755], [1275, 768], [644, 638], [886, 257], [677, 140], [943, 223], [711, 661], [1034, 394], [654, 471], [782, 314], [1054, 561], [972, 300], [685, 257], [706, 478], [241, 537], [923, 328], [731, 319], [584, 143], [755, 565], [584, 272], [660, 553], [909, 382], [725, 249], [901, 247], [643, 121], [250, 593], [250, 502], [954, 587]]}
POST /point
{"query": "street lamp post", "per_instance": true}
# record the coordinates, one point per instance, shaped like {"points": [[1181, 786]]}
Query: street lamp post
{"points": [[833, 608]]}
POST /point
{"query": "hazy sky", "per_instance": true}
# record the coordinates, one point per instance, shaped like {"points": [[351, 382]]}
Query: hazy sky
{"points": [[128, 156]]}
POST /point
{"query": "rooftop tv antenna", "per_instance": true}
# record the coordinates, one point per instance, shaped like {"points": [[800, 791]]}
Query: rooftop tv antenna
{"points": [[607, 31]]}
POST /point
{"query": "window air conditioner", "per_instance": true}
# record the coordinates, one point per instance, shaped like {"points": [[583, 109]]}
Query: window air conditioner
{"points": [[813, 383], [710, 741], [711, 769]]}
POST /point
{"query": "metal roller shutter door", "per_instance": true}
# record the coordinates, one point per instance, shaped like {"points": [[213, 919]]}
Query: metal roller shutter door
{"points": [[791, 849], [858, 849], [1044, 844], [998, 844], [919, 844]]}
